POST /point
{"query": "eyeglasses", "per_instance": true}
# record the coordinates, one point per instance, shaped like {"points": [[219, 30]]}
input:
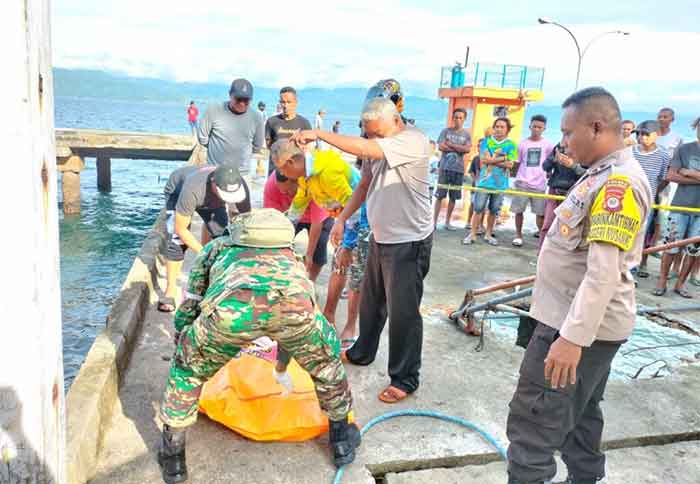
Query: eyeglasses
{"points": [[245, 100]]}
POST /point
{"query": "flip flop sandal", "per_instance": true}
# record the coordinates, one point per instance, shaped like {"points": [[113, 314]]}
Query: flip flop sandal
{"points": [[642, 273], [166, 305], [695, 282], [392, 395], [518, 242], [683, 293], [659, 291], [491, 241], [473, 332]]}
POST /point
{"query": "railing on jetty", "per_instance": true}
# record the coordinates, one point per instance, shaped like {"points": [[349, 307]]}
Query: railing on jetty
{"points": [[74, 145]]}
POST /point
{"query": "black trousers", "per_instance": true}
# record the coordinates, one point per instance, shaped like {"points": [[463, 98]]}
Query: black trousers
{"points": [[393, 288], [542, 419]]}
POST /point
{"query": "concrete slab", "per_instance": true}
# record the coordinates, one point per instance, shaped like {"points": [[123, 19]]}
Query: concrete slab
{"points": [[665, 464], [456, 380]]}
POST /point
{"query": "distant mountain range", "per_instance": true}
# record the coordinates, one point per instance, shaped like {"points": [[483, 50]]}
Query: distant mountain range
{"points": [[106, 85], [342, 103]]}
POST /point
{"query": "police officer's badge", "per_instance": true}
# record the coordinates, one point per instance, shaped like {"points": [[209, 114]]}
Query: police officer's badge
{"points": [[614, 194]]}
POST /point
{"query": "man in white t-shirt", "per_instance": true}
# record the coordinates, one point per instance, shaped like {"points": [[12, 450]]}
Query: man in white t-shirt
{"points": [[667, 139], [395, 184]]}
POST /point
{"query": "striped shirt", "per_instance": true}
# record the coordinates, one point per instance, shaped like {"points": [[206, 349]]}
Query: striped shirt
{"points": [[654, 163]]}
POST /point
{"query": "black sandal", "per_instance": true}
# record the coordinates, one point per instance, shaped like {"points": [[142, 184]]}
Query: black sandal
{"points": [[659, 291]]}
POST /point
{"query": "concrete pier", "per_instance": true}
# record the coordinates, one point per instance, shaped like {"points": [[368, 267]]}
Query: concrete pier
{"points": [[73, 146], [646, 420]]}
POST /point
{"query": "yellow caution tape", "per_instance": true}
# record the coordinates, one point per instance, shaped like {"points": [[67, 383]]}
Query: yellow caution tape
{"points": [[547, 196]]}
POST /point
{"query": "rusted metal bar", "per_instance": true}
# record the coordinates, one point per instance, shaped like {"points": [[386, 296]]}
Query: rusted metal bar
{"points": [[504, 285], [672, 245]]}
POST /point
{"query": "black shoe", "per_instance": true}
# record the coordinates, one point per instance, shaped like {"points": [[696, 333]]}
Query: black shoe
{"points": [[171, 456], [512, 480], [571, 480], [344, 439]]}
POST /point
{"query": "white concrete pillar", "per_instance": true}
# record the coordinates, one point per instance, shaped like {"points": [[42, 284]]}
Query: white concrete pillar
{"points": [[32, 428]]}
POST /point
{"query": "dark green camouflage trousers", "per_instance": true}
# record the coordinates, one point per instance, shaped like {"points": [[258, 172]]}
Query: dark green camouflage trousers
{"points": [[213, 339]]}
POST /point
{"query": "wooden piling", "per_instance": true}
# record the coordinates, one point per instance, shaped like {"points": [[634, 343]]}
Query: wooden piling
{"points": [[32, 432]]}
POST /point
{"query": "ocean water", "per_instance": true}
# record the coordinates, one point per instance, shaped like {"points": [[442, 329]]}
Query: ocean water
{"points": [[99, 244]]}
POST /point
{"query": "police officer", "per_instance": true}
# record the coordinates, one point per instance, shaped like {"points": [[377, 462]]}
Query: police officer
{"points": [[244, 286], [583, 299]]}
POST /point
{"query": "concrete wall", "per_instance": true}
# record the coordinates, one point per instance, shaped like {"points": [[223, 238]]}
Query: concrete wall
{"points": [[94, 392]]}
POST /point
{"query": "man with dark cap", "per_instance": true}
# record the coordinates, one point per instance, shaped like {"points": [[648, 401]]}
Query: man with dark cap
{"points": [[243, 286], [583, 300], [231, 131], [208, 191]]}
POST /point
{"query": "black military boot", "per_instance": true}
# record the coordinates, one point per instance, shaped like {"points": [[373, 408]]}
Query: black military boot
{"points": [[344, 439], [171, 455]]}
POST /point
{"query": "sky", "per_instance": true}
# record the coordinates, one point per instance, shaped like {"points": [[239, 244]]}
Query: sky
{"points": [[322, 43]]}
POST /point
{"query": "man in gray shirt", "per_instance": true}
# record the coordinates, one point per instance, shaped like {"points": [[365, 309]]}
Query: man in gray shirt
{"points": [[229, 130], [684, 170], [454, 143], [395, 183]]}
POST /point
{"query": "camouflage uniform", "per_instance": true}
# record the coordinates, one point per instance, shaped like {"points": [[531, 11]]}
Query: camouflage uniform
{"points": [[236, 294], [356, 270]]}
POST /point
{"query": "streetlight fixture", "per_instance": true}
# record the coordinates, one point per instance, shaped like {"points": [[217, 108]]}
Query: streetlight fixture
{"points": [[581, 53]]}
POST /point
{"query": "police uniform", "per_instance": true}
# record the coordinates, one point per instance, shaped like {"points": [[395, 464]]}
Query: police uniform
{"points": [[242, 287], [584, 292]]}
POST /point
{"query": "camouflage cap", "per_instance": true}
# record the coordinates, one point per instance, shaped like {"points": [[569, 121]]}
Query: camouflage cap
{"points": [[262, 227]]}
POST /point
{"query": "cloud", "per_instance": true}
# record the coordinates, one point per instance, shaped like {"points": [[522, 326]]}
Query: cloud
{"points": [[318, 43]]}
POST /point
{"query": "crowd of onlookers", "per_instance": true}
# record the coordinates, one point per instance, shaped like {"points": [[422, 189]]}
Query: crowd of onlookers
{"points": [[536, 166]]}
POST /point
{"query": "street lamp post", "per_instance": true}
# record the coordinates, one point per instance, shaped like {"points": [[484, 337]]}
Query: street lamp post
{"points": [[580, 52]]}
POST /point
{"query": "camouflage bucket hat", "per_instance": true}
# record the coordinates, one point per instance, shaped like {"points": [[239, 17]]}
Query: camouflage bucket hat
{"points": [[264, 228]]}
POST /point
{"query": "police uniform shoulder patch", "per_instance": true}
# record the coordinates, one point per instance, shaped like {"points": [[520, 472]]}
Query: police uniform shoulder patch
{"points": [[615, 216]]}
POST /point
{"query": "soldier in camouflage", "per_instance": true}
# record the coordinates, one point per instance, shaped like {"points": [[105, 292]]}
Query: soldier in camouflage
{"points": [[242, 287]]}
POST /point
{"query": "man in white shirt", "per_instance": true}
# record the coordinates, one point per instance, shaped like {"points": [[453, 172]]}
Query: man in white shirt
{"points": [[667, 139]]}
